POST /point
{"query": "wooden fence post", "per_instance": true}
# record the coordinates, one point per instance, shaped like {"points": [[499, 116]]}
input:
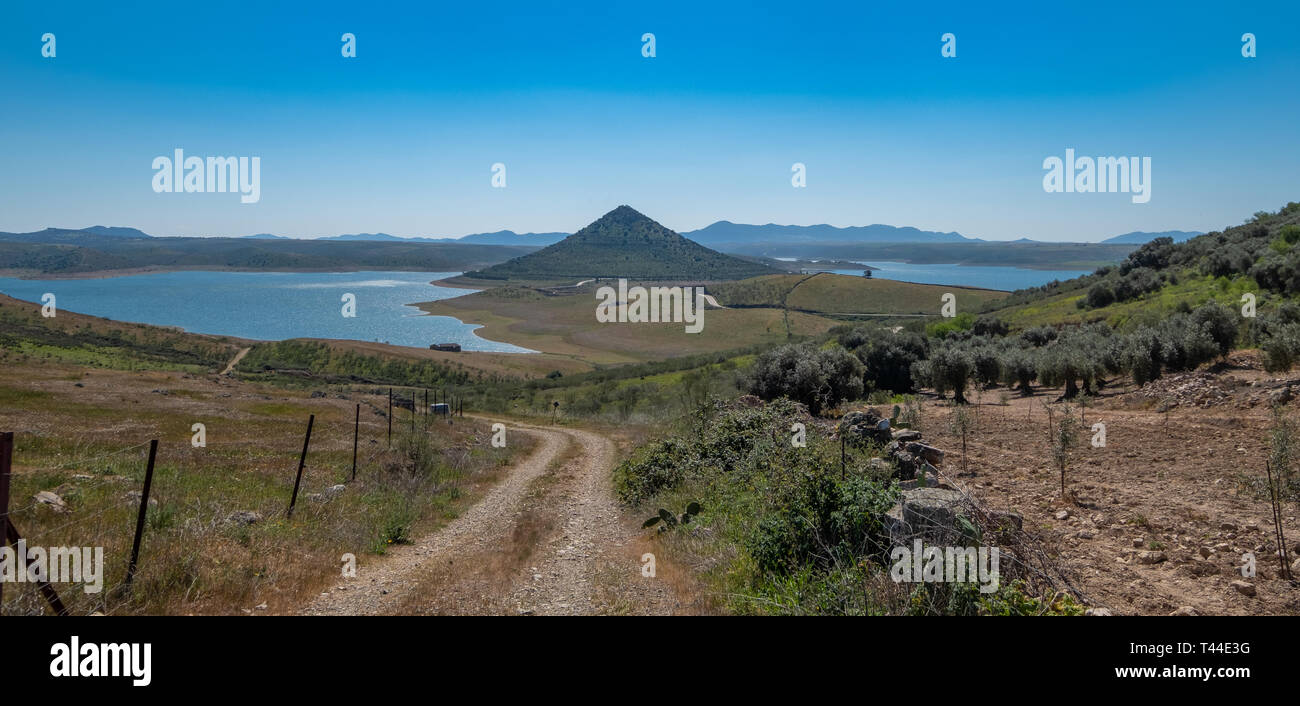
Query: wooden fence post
{"points": [[140, 517], [302, 460], [390, 417]]}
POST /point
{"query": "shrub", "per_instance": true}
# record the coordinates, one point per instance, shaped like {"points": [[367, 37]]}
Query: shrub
{"points": [[1154, 254], [823, 522], [964, 321], [1281, 348], [1099, 295], [655, 467], [989, 326], [1038, 336], [1228, 260], [817, 378], [1220, 322], [888, 360]]}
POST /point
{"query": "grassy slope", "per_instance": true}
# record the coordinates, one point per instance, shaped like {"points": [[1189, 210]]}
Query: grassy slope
{"points": [[526, 365], [1192, 289], [844, 294], [1192, 286], [74, 431], [567, 326], [82, 393], [93, 341]]}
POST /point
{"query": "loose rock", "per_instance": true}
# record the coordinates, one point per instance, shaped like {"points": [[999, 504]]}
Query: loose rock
{"points": [[51, 501]]}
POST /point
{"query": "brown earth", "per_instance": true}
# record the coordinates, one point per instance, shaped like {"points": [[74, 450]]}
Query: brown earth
{"points": [[548, 540], [1179, 483]]}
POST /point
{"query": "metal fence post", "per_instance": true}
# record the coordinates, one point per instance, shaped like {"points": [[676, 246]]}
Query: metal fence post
{"points": [[356, 433], [140, 517], [302, 460]]}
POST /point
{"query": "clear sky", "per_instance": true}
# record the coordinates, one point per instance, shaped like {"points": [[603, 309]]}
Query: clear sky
{"points": [[401, 139]]}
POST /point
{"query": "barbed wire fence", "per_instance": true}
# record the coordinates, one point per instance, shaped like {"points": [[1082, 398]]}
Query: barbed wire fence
{"points": [[76, 547]]}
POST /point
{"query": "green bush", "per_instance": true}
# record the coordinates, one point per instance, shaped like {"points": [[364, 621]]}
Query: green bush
{"points": [[824, 522], [819, 378], [964, 321], [887, 357], [657, 466]]}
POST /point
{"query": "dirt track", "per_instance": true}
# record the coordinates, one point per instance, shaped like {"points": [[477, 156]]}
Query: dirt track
{"points": [[548, 540], [230, 367]]}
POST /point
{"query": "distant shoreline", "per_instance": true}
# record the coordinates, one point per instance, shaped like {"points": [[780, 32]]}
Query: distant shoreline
{"points": [[114, 274], [133, 271]]}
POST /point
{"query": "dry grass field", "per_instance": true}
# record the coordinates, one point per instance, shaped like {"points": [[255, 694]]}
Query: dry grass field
{"points": [[565, 325], [218, 539]]}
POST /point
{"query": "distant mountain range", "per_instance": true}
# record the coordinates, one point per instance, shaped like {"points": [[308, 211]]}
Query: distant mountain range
{"points": [[719, 235], [114, 231], [726, 232], [501, 237], [624, 243]]}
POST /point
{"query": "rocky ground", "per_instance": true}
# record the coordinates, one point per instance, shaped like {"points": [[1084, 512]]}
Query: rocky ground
{"points": [[1158, 520]]}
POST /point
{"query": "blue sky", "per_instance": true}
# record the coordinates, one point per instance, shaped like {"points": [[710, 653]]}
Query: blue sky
{"points": [[401, 139]]}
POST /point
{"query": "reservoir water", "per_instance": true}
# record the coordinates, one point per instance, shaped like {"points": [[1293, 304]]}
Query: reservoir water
{"points": [[1007, 278], [270, 305]]}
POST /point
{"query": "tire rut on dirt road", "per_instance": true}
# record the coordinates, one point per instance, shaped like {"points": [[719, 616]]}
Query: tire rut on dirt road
{"points": [[548, 539]]}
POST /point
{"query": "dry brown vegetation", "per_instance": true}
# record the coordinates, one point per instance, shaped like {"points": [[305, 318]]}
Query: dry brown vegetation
{"points": [[80, 434], [566, 325]]}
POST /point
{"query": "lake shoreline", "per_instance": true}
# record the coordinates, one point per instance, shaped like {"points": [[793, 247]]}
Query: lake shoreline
{"points": [[135, 271], [996, 278], [268, 306]]}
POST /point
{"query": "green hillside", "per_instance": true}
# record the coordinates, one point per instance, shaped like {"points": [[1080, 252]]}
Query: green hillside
{"points": [[828, 293], [1259, 257], [624, 243]]}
